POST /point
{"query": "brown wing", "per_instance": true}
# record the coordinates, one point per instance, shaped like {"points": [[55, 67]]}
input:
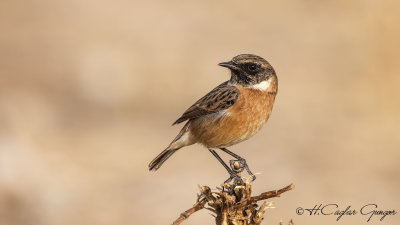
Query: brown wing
{"points": [[220, 98]]}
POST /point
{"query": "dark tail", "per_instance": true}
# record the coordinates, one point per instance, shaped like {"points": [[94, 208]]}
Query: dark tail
{"points": [[156, 163]]}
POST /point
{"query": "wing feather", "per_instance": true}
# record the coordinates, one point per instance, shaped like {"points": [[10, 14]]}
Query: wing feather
{"points": [[220, 98]]}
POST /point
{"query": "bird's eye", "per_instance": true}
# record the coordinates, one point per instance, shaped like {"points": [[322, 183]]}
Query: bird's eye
{"points": [[252, 67]]}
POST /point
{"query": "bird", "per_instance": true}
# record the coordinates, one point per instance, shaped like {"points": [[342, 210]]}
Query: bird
{"points": [[230, 113]]}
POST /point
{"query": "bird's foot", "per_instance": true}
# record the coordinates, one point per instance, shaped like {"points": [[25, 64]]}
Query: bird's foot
{"points": [[237, 180], [239, 165]]}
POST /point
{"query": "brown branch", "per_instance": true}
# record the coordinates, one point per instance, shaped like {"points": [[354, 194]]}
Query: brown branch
{"points": [[199, 205], [263, 196]]}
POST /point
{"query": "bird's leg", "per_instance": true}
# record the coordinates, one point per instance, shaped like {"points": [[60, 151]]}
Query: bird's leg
{"points": [[241, 160], [236, 178]]}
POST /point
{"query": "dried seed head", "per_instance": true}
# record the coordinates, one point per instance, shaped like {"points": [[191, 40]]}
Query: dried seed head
{"points": [[237, 165]]}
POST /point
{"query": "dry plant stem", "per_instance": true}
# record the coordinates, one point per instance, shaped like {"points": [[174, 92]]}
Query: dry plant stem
{"points": [[234, 208], [187, 213]]}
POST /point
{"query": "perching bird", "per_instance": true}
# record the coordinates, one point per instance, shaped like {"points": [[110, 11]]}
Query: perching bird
{"points": [[230, 113]]}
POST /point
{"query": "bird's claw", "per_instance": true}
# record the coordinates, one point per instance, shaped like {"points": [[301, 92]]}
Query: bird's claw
{"points": [[239, 165], [253, 177], [237, 180]]}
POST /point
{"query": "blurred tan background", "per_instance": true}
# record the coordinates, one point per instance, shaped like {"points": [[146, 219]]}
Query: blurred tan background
{"points": [[89, 89]]}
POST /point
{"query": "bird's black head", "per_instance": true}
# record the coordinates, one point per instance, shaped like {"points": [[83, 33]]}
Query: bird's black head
{"points": [[249, 70]]}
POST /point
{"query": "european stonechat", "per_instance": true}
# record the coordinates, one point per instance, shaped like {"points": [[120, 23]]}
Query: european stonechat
{"points": [[230, 113]]}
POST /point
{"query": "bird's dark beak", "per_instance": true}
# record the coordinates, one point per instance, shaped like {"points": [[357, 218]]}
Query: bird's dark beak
{"points": [[229, 65]]}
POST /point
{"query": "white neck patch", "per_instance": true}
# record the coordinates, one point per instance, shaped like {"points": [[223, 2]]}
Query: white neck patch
{"points": [[262, 86]]}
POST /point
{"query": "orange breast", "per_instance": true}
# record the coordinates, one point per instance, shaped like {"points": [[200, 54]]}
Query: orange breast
{"points": [[238, 123]]}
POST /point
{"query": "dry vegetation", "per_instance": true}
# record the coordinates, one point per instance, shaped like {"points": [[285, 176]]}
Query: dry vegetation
{"points": [[235, 207]]}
